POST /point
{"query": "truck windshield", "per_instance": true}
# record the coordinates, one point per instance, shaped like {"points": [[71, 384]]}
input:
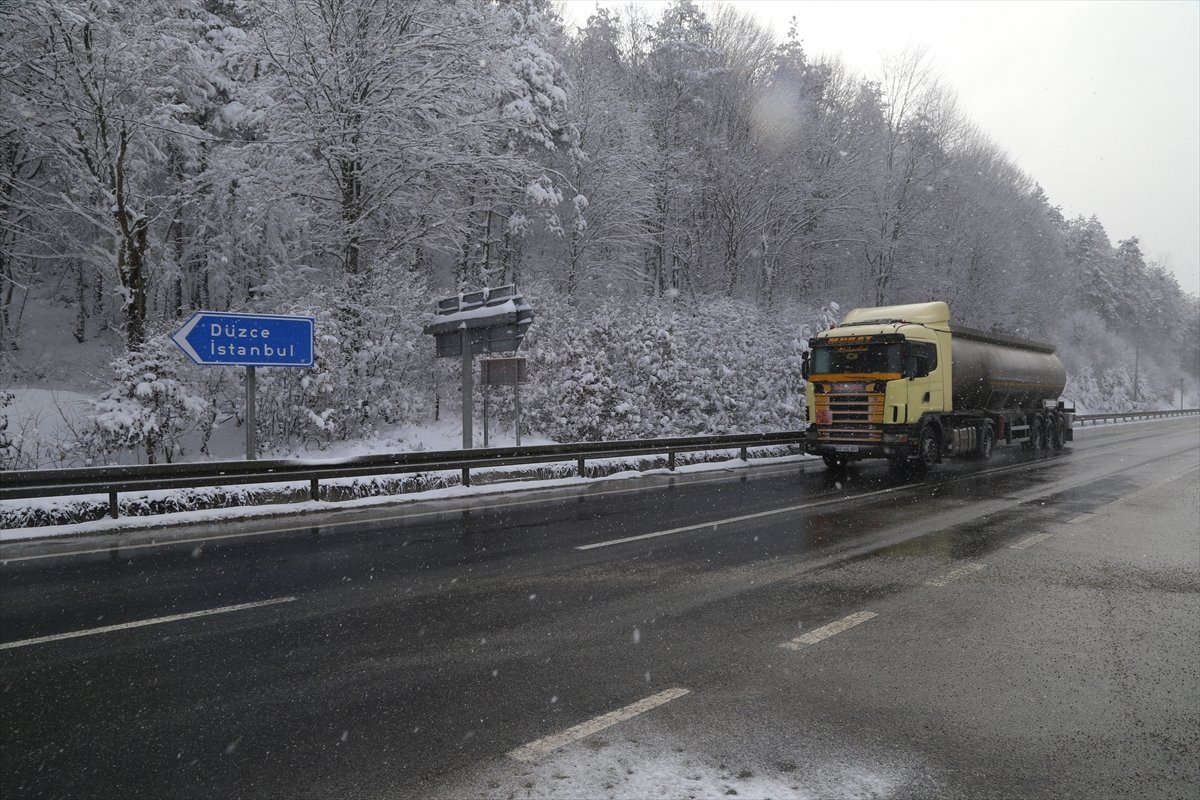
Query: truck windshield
{"points": [[856, 358]]}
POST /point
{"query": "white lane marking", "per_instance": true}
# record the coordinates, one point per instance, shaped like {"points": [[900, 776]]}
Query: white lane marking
{"points": [[954, 574], [142, 623], [832, 629], [716, 523], [537, 749], [330, 525], [1025, 544], [1080, 518]]}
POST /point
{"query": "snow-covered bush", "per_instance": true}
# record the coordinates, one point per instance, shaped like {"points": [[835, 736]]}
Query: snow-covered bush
{"points": [[643, 369], [147, 407], [370, 360]]}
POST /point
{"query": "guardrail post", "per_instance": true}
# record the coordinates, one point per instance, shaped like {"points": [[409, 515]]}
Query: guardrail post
{"points": [[582, 471], [745, 453], [466, 476], [671, 460], [314, 492], [112, 504]]}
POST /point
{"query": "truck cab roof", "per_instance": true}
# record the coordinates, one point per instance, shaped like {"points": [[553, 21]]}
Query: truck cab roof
{"points": [[935, 313]]}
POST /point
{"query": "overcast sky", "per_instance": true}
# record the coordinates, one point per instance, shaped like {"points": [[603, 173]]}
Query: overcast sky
{"points": [[1097, 101]]}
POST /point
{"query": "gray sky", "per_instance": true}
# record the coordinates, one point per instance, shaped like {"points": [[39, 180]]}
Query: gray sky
{"points": [[1097, 101]]}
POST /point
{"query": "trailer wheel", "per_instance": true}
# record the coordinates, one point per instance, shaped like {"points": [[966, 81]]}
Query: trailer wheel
{"points": [[1058, 431], [987, 441], [929, 447], [1037, 433]]}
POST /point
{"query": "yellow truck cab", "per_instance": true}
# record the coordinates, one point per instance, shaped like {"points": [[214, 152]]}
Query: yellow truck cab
{"points": [[900, 382]]}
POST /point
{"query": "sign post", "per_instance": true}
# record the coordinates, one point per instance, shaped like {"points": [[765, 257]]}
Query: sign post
{"points": [[251, 424], [216, 339], [468, 391]]}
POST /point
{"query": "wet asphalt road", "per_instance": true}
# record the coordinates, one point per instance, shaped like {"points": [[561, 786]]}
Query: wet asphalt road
{"points": [[405, 657]]}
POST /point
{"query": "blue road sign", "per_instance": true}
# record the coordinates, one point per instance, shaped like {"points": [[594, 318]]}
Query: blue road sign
{"points": [[246, 340]]}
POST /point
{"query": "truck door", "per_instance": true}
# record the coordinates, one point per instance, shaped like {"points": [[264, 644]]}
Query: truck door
{"points": [[926, 393]]}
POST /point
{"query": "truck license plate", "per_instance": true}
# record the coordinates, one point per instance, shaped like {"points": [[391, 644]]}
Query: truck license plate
{"points": [[846, 448]]}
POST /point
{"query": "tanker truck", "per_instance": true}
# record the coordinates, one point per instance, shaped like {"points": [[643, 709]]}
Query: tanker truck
{"points": [[902, 383]]}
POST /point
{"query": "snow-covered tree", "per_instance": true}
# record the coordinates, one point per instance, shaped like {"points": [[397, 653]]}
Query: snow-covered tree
{"points": [[8, 445], [610, 195], [148, 406], [104, 91]]}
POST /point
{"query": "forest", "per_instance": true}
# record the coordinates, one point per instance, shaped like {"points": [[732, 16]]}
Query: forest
{"points": [[683, 197]]}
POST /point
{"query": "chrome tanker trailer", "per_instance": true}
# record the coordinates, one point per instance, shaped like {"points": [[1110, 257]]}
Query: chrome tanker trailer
{"points": [[902, 383]]}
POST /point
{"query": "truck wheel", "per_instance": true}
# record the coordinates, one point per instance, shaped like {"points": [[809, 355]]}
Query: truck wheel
{"points": [[929, 447], [987, 441], [1047, 431], [834, 462]]}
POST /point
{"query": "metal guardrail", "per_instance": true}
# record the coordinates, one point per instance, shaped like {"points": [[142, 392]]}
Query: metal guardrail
{"points": [[133, 478], [1083, 419], [119, 479]]}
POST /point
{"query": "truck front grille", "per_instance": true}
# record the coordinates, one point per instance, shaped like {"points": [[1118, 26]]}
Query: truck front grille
{"points": [[840, 408]]}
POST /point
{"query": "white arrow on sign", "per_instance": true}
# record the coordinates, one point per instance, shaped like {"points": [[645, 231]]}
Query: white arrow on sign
{"points": [[179, 337]]}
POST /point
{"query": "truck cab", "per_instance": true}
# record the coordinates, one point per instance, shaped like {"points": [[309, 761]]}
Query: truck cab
{"points": [[871, 380]]}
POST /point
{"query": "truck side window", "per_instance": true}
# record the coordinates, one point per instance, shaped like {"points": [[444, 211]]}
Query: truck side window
{"points": [[926, 350]]}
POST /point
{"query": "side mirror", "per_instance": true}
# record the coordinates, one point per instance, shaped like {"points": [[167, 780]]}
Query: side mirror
{"points": [[804, 365]]}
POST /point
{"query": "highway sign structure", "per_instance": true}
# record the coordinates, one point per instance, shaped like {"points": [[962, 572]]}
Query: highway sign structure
{"points": [[474, 323], [216, 339], [492, 321]]}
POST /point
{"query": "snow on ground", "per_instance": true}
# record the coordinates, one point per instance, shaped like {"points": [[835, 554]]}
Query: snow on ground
{"points": [[649, 762], [445, 434], [41, 421]]}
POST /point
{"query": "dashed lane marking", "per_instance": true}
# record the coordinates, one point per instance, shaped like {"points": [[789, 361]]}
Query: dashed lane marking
{"points": [[1078, 518], [144, 622], [1025, 544], [540, 748], [954, 574], [825, 631]]}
